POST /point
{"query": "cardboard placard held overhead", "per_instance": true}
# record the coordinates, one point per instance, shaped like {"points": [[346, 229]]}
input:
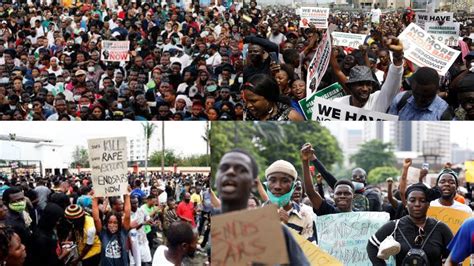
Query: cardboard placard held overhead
{"points": [[318, 16], [115, 51], [413, 175], [249, 236], [348, 39], [318, 65], [108, 160]]}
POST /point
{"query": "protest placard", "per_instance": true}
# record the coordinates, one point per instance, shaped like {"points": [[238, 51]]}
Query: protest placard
{"points": [[447, 33], [452, 218], [248, 236], [328, 110], [318, 16], [314, 254], [469, 166], [413, 175], [331, 92], [318, 65], [345, 235], [423, 17], [423, 50], [115, 51], [108, 161], [348, 39]]}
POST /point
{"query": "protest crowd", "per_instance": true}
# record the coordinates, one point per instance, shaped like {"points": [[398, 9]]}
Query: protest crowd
{"points": [[57, 220], [182, 61], [339, 217]]}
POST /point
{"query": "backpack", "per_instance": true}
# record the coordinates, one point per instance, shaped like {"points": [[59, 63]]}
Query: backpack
{"points": [[447, 114], [417, 256]]}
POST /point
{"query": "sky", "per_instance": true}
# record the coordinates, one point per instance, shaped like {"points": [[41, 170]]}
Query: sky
{"points": [[461, 132], [183, 137]]}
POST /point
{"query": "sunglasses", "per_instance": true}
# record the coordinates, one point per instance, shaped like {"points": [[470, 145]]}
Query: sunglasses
{"points": [[420, 238]]}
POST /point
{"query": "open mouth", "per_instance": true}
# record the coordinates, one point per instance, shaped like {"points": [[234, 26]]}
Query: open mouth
{"points": [[229, 186]]}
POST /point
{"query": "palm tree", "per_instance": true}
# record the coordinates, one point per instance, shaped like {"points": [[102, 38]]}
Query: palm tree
{"points": [[148, 129], [206, 138]]}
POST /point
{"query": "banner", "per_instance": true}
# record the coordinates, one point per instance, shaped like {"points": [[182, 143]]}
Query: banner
{"points": [[423, 50], [423, 17], [248, 236], [318, 16], [348, 39], [345, 235], [318, 65], [108, 160], [314, 254], [452, 218], [448, 33], [328, 110], [331, 92], [469, 166], [115, 51]]}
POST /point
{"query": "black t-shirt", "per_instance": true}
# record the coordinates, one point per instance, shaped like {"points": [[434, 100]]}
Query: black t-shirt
{"points": [[435, 248]]}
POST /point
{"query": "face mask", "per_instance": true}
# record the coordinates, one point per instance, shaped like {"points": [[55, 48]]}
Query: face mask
{"points": [[187, 200], [119, 106], [77, 97], [358, 185], [91, 69], [68, 79], [211, 88], [13, 107], [17, 206], [282, 200]]}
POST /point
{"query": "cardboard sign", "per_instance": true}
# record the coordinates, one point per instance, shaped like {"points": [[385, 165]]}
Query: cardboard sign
{"points": [[318, 65], [108, 160], [423, 17], [318, 16], [348, 39], [469, 165], [249, 236], [423, 50], [115, 51], [331, 92], [327, 110], [448, 33], [452, 218], [314, 254], [345, 235], [413, 175]]}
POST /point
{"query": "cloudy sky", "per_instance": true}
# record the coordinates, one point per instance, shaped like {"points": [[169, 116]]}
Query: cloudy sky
{"points": [[183, 137]]}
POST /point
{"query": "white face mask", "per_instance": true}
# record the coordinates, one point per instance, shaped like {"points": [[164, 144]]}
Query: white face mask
{"points": [[91, 69], [119, 106], [13, 107], [77, 97], [68, 79]]}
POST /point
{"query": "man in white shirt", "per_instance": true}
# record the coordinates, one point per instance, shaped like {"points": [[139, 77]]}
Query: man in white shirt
{"points": [[182, 242], [215, 58], [447, 181], [361, 84], [276, 36], [54, 67], [375, 14]]}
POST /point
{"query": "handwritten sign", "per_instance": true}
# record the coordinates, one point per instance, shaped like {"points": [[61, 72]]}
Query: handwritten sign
{"points": [[348, 39], [423, 50], [318, 16], [314, 254], [451, 217], [469, 165], [448, 33], [115, 51], [423, 17], [318, 65], [328, 110], [108, 160], [345, 235], [331, 92], [249, 236]]}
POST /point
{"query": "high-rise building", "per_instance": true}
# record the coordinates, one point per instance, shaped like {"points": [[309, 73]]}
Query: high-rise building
{"points": [[428, 138], [136, 149]]}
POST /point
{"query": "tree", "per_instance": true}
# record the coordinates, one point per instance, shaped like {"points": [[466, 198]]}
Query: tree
{"points": [[379, 174], [374, 154], [80, 157], [271, 141], [148, 129], [172, 158]]}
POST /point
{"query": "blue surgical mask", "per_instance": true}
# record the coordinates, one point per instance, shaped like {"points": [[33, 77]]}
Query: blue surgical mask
{"points": [[358, 185], [282, 200]]}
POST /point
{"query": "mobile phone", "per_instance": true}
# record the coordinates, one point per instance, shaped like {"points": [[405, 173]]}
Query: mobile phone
{"points": [[425, 166]]}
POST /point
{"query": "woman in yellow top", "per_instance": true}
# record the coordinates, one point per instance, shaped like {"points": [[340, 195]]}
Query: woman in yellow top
{"points": [[84, 235]]}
